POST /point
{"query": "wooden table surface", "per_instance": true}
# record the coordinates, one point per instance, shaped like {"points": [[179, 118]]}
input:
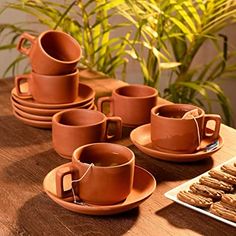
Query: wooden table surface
{"points": [[26, 156]]}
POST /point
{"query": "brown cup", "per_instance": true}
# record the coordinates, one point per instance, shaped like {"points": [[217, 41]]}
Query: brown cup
{"points": [[73, 128], [105, 170], [171, 133], [132, 103], [49, 88], [52, 52]]}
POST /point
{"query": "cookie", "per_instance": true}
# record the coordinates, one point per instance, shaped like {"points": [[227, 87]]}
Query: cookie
{"points": [[229, 199], [230, 169], [219, 209], [194, 199], [220, 175], [206, 191], [215, 183]]}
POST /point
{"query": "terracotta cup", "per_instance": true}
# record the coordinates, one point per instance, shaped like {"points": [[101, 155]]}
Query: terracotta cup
{"points": [[51, 53], [180, 128], [132, 103], [73, 128], [49, 88], [105, 170]]}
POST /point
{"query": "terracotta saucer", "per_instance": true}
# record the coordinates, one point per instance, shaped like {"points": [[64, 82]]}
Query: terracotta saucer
{"points": [[86, 94], [34, 123], [45, 111], [40, 123], [143, 187], [141, 138], [31, 116]]}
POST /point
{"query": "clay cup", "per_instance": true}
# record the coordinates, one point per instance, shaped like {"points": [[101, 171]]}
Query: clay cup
{"points": [[102, 173], [73, 128], [180, 128], [51, 53], [51, 89], [132, 103]]}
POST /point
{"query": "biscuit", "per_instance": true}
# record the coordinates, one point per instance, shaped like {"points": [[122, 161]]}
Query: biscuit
{"points": [[230, 199], [206, 191], [219, 209], [220, 175], [215, 183], [194, 199], [230, 169]]}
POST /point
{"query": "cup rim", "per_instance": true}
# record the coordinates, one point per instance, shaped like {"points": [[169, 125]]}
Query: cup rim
{"points": [[76, 72], [67, 35], [155, 92], [79, 149], [154, 110], [56, 117]]}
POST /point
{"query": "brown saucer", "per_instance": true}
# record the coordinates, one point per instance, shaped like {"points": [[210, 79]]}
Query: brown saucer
{"points": [[46, 111], [141, 138], [40, 123], [86, 94], [31, 116], [34, 123], [143, 187]]}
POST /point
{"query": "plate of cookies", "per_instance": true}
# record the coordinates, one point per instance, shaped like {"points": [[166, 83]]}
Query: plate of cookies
{"points": [[212, 193]]}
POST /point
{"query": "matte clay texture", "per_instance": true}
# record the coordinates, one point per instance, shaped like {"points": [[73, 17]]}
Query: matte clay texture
{"points": [[49, 89], [132, 103], [45, 111], [172, 133], [52, 52], [85, 92], [110, 180], [143, 186], [141, 138], [34, 123], [76, 127]]}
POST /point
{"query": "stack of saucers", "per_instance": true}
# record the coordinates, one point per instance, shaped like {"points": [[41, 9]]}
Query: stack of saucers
{"points": [[40, 115]]}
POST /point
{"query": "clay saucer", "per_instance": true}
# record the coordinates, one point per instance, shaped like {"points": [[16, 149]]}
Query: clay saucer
{"points": [[141, 138], [143, 187], [45, 111], [34, 123], [85, 92], [31, 116]]}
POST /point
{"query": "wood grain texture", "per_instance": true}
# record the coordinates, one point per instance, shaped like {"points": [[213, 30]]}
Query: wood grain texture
{"points": [[26, 156]]}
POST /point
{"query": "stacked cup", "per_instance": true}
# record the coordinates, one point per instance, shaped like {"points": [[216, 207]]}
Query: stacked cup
{"points": [[53, 56], [53, 84]]}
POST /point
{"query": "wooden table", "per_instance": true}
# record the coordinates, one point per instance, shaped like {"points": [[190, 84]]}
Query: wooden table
{"points": [[26, 156]]}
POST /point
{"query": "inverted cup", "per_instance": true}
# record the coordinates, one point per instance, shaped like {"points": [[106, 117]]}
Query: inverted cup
{"points": [[132, 103], [51, 89], [102, 173], [52, 52], [73, 128], [172, 131]]}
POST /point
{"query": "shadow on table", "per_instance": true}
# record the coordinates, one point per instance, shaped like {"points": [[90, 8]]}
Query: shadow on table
{"points": [[21, 134], [32, 169], [41, 216], [171, 171], [184, 218]]}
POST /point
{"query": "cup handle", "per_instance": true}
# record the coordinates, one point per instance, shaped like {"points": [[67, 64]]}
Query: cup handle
{"points": [[117, 129], [18, 80], [217, 120], [101, 102], [24, 37], [60, 174]]}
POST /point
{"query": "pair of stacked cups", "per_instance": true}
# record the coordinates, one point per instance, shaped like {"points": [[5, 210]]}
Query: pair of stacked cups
{"points": [[53, 56]]}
